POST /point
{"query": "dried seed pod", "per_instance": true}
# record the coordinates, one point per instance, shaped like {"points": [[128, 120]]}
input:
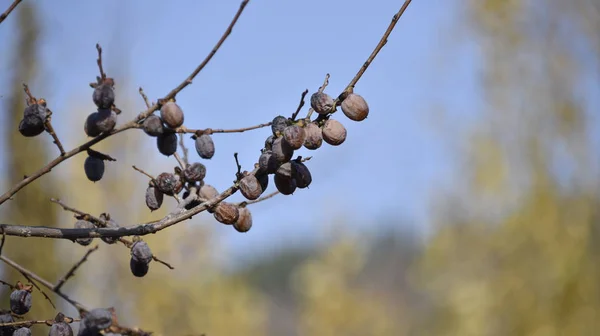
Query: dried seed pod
{"points": [[282, 150], [104, 96], [269, 142], [278, 124], [6, 317], [98, 319], [62, 328], [314, 136], [153, 126], [169, 184], [321, 102], [34, 117], [94, 168], [110, 223], [226, 213], [250, 187], [294, 135], [154, 198], [285, 185], [244, 222], [334, 133], [138, 269], [207, 192], [140, 251], [301, 174], [90, 127], [286, 170], [20, 301], [106, 120], [263, 179], [205, 146], [167, 143], [172, 115], [267, 162], [83, 224], [23, 331], [355, 107], [194, 172]]}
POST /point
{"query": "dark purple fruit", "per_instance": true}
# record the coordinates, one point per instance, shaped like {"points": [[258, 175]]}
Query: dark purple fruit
{"points": [[267, 162], [154, 198], [172, 115], [355, 107], [98, 319], [321, 102], [278, 124], [334, 133], [140, 251], [269, 142], [138, 269], [250, 187], [194, 172], [285, 170], [244, 222], [301, 174], [263, 179], [167, 143], [94, 168], [83, 224], [105, 120], [110, 223], [62, 328], [23, 331], [294, 135], [226, 213], [205, 146], [282, 152], [104, 96], [34, 117], [90, 127], [169, 184], [314, 136], [285, 185], [153, 126], [6, 317], [20, 301]]}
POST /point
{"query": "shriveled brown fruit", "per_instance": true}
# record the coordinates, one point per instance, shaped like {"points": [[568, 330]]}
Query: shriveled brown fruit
{"points": [[171, 114], [267, 162], [285, 170], [195, 172], [244, 222], [321, 102], [250, 187], [301, 174], [355, 107], [208, 192], [334, 133], [154, 198], [205, 147], [106, 120], [282, 150], [314, 136], [169, 184], [285, 185], [226, 213], [278, 124], [294, 135]]}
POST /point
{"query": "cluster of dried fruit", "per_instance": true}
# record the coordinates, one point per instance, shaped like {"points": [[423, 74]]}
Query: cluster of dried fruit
{"points": [[105, 118]]}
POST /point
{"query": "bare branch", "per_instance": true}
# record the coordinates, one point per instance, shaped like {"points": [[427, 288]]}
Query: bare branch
{"points": [[184, 150], [300, 105], [144, 97], [32, 322], [9, 10], [71, 271]]}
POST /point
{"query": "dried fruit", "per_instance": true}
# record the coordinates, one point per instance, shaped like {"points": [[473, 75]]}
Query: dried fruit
{"points": [[138, 269], [169, 184], [278, 124], [110, 223], [314, 136], [294, 135], [334, 133], [90, 127], [355, 107], [62, 328], [171, 114], [167, 143], [205, 146], [244, 222], [267, 162], [33, 120], [20, 301], [226, 213], [83, 224], [94, 168], [263, 179], [191, 204], [321, 102], [269, 142], [301, 174], [154, 198], [98, 319], [285, 170], [282, 151], [207, 192], [194, 172], [104, 96], [285, 185], [250, 187], [23, 331], [6, 317], [153, 126], [105, 120], [141, 256]]}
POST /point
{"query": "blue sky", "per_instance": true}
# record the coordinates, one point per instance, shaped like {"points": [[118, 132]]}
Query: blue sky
{"points": [[390, 163]]}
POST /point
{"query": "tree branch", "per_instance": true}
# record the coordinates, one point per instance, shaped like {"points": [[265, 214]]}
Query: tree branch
{"points": [[9, 10]]}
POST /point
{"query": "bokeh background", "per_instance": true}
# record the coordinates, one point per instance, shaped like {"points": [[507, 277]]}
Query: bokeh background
{"points": [[468, 203]]}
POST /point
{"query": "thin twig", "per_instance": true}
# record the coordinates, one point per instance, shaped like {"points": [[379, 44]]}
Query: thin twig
{"points": [[71, 272], [220, 130], [32, 322], [128, 243], [145, 173], [7, 284], [184, 150], [144, 97], [300, 105], [50, 130], [321, 89], [9, 10], [39, 289], [182, 164], [99, 61], [260, 199]]}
